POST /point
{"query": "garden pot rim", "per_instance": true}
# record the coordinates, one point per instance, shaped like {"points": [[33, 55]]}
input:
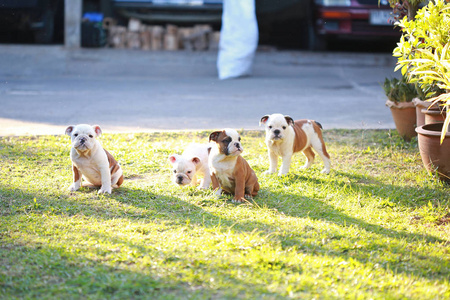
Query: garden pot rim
{"points": [[399, 105], [432, 111], [432, 129], [423, 103]]}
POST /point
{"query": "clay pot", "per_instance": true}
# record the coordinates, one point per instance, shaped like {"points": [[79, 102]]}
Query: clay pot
{"points": [[404, 115], [433, 115], [420, 105], [435, 156]]}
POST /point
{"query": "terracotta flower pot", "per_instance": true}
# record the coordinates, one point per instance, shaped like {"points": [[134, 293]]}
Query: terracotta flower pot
{"points": [[435, 156], [433, 115], [420, 105], [404, 114]]}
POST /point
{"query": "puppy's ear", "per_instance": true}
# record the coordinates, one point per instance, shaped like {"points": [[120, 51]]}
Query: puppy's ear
{"points": [[196, 160], [97, 130], [264, 120], [289, 120], [173, 158], [69, 130], [214, 136]]}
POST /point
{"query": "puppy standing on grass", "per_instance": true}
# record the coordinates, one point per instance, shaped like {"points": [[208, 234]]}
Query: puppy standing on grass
{"points": [[193, 162], [284, 137], [91, 161], [230, 172]]}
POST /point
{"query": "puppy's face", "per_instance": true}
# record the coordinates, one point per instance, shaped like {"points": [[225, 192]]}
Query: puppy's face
{"points": [[83, 136], [228, 142], [276, 126], [183, 169]]}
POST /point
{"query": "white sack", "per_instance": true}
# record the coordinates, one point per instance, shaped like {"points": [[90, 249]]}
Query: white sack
{"points": [[238, 38]]}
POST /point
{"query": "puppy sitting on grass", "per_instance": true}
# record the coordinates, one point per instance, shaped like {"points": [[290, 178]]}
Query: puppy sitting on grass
{"points": [[230, 172], [90, 161], [192, 163]]}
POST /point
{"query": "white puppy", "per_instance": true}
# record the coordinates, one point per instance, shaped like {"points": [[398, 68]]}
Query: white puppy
{"points": [[191, 164], [284, 137], [91, 161]]}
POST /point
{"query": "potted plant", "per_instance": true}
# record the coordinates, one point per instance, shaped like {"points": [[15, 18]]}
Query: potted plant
{"points": [[402, 9], [423, 57], [434, 138], [400, 94]]}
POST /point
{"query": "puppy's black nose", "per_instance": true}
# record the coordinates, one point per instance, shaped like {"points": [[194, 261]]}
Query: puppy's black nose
{"points": [[179, 179], [276, 132], [237, 145], [83, 140]]}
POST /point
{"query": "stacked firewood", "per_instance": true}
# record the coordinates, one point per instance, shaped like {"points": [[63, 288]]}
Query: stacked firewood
{"points": [[170, 37]]}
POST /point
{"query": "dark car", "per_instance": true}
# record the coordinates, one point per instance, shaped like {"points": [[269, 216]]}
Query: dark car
{"points": [[206, 11], [171, 11], [36, 16], [352, 19]]}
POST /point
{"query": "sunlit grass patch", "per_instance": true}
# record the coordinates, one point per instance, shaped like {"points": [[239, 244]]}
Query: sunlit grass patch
{"points": [[375, 227]]}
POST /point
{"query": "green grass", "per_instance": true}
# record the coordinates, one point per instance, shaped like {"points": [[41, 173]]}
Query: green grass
{"points": [[376, 227]]}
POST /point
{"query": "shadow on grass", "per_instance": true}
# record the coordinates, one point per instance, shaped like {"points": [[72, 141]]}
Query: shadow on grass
{"points": [[67, 270], [140, 204], [46, 271], [389, 194]]}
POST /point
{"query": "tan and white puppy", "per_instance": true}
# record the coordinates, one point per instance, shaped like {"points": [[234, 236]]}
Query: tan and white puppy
{"points": [[230, 172], [90, 161], [193, 163], [284, 137]]}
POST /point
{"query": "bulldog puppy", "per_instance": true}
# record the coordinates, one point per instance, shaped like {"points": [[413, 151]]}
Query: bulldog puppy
{"points": [[229, 171], [189, 165], [284, 137], [90, 161]]}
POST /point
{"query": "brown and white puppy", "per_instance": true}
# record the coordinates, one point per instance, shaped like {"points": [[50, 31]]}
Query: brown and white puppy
{"points": [[284, 137], [191, 164], [90, 161], [230, 172]]}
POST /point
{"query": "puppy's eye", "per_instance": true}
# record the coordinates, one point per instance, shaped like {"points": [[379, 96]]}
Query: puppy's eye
{"points": [[91, 136], [270, 127], [76, 134], [189, 172], [284, 127], [175, 171], [239, 139]]}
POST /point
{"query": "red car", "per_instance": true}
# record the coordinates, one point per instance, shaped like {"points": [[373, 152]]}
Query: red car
{"points": [[354, 19]]}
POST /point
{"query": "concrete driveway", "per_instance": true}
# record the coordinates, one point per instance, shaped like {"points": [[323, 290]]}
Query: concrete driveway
{"points": [[45, 88]]}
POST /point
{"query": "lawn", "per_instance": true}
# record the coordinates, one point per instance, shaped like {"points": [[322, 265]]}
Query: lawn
{"points": [[376, 227]]}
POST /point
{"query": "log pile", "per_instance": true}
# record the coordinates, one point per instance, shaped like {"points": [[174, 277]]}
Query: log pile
{"points": [[154, 37]]}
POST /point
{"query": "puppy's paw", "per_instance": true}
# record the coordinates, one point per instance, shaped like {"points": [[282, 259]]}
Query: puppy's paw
{"points": [[325, 171], [238, 200], [268, 172], [248, 197], [281, 174], [104, 190], [74, 187], [306, 166]]}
